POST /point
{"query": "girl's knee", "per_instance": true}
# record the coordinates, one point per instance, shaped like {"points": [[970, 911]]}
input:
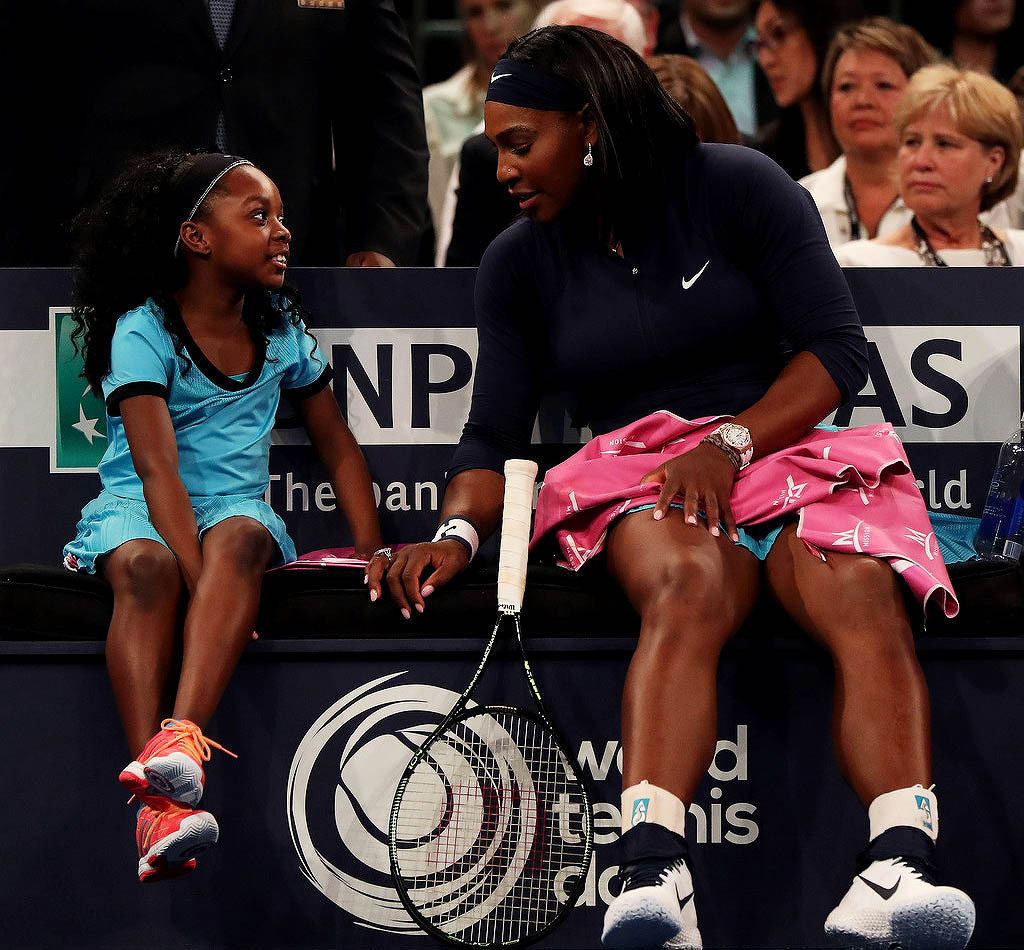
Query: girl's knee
{"points": [[147, 573], [246, 544]]}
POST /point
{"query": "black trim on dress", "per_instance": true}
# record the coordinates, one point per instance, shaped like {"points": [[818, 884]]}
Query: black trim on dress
{"points": [[128, 390], [202, 361], [310, 389]]}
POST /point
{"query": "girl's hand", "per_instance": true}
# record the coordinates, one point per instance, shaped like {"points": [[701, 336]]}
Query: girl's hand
{"points": [[703, 479], [377, 565], [447, 558]]}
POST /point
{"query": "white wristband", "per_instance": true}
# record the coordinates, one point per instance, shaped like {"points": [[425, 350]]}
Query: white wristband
{"points": [[461, 530]]}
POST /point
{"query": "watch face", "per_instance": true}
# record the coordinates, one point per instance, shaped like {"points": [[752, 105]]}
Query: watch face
{"points": [[735, 435]]}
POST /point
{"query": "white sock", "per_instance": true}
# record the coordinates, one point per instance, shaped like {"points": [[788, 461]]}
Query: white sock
{"points": [[649, 803], [916, 807]]}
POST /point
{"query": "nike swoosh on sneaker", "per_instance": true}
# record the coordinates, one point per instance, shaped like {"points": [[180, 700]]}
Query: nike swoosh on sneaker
{"points": [[884, 892], [683, 901], [687, 284]]}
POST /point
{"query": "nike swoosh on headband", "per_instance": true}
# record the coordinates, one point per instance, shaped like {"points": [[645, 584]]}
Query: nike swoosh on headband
{"points": [[687, 284], [884, 892]]}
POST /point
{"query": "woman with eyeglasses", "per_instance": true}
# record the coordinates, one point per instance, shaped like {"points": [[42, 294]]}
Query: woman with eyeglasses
{"points": [[867, 67], [792, 36], [960, 141]]}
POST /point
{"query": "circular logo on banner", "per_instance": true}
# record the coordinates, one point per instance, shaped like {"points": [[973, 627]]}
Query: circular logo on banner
{"points": [[341, 785]]}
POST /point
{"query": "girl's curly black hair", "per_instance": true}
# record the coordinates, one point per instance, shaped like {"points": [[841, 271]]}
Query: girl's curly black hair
{"points": [[124, 255]]}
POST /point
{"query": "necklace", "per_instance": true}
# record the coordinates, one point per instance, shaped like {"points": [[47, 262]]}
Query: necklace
{"points": [[856, 228], [993, 249]]}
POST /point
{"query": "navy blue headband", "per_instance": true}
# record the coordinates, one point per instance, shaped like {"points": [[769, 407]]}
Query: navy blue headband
{"points": [[520, 84], [196, 178]]}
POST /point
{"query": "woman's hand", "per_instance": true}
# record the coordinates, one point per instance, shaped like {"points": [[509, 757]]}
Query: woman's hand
{"points": [[703, 478], [447, 558]]}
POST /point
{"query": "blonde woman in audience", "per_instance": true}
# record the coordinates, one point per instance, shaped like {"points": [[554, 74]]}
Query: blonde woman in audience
{"points": [[960, 140], [454, 108], [866, 68], [686, 81]]}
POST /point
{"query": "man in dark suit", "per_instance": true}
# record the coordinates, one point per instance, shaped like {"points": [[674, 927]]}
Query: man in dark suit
{"points": [[719, 34], [322, 95]]}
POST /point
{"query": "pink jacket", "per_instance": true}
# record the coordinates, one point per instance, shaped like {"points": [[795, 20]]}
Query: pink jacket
{"points": [[851, 491]]}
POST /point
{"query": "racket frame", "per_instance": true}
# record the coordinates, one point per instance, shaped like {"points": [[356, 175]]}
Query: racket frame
{"points": [[512, 579]]}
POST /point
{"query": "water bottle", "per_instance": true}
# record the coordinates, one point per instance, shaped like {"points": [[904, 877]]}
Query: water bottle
{"points": [[1000, 535]]}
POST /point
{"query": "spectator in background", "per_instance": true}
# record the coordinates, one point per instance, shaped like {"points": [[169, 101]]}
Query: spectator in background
{"points": [[719, 34], [984, 35], [865, 70], [325, 99], [792, 37], [477, 209], [1016, 86], [454, 108], [960, 141], [686, 81], [614, 17]]}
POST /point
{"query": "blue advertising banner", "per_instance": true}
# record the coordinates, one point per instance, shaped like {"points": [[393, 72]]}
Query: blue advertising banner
{"points": [[945, 350]]}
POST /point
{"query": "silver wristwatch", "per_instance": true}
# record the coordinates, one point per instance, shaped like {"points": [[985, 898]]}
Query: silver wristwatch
{"points": [[734, 440]]}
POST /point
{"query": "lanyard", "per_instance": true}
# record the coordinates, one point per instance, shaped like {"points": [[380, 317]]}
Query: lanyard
{"points": [[856, 230], [993, 248]]}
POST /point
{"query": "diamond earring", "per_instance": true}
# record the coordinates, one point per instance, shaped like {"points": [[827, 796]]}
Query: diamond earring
{"points": [[588, 159]]}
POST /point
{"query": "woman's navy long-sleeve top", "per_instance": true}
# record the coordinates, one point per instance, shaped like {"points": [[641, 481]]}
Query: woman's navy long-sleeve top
{"points": [[698, 317]]}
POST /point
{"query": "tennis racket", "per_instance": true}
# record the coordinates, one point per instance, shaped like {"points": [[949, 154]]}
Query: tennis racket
{"points": [[491, 829]]}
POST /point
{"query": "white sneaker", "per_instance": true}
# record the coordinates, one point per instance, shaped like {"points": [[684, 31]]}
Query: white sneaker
{"points": [[895, 901], [654, 909]]}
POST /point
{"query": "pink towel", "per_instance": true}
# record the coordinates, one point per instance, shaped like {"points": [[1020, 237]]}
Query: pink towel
{"points": [[851, 491]]}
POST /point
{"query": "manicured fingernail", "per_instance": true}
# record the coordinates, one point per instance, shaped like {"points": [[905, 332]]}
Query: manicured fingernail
{"points": [[406, 614], [366, 578], [714, 531], [658, 514], [692, 519], [735, 537], [373, 596], [427, 591], [419, 607]]}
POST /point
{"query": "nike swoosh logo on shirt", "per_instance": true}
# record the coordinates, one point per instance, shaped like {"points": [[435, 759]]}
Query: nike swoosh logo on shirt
{"points": [[687, 284], [496, 76], [884, 892]]}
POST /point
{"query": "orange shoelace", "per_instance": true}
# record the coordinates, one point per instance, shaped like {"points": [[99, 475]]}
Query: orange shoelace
{"points": [[187, 734]]}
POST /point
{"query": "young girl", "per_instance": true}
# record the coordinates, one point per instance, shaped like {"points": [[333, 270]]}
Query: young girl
{"points": [[187, 330]]}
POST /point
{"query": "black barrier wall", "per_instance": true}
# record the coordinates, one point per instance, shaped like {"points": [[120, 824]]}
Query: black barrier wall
{"points": [[323, 738], [945, 349]]}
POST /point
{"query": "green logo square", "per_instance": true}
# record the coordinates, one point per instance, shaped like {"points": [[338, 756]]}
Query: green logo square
{"points": [[81, 437]]}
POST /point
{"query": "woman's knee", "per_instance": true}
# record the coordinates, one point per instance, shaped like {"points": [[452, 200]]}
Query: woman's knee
{"points": [[146, 572], [867, 587], [869, 616], [685, 605]]}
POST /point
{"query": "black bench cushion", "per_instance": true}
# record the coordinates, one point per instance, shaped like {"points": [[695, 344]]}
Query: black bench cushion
{"points": [[50, 603]]}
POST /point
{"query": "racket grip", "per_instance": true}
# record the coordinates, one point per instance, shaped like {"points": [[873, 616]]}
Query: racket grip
{"points": [[516, 512]]}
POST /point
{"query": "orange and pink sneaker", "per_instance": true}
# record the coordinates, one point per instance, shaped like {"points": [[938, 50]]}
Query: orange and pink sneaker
{"points": [[169, 840], [170, 767]]}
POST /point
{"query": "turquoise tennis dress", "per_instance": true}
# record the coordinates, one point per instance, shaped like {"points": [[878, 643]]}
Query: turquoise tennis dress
{"points": [[222, 425]]}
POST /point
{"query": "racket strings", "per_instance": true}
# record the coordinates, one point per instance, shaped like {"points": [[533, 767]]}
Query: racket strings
{"points": [[492, 829]]}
